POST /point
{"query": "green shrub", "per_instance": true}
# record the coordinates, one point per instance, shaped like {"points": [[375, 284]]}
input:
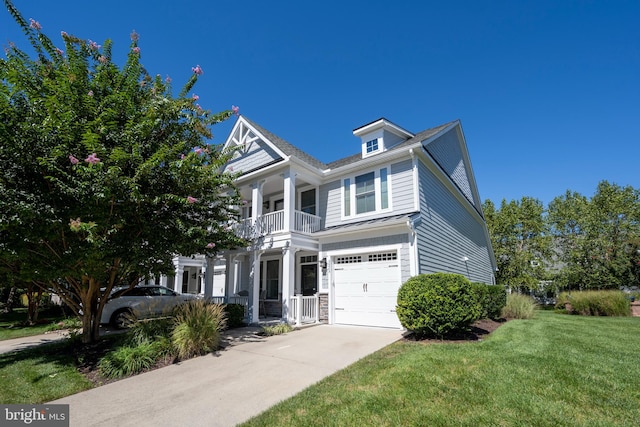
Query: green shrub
{"points": [[197, 328], [596, 303], [235, 315], [149, 330], [519, 306], [492, 299], [437, 304], [132, 359], [279, 329]]}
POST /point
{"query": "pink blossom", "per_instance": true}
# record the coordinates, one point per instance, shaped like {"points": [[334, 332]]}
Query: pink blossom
{"points": [[197, 70], [73, 159], [93, 45], [102, 59], [198, 107], [191, 199], [90, 93], [235, 109], [198, 150], [182, 156], [211, 245], [136, 50], [75, 224], [59, 51], [168, 79], [134, 36], [195, 97], [34, 24], [92, 159], [63, 33]]}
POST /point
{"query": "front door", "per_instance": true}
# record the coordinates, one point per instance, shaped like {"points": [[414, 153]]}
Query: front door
{"points": [[309, 279]]}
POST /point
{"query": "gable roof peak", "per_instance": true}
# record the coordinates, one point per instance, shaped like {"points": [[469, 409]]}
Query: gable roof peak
{"points": [[385, 124]]}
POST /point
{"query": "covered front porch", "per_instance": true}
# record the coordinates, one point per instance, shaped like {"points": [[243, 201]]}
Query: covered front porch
{"points": [[279, 279]]}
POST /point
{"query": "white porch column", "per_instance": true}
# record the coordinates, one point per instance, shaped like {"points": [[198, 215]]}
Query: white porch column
{"points": [[256, 200], [254, 293], [289, 200], [288, 280], [230, 276], [177, 283]]}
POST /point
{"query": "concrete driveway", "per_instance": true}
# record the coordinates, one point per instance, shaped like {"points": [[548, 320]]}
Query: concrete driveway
{"points": [[249, 376]]}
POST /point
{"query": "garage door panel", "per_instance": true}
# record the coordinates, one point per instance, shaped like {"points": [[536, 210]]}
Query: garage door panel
{"points": [[366, 293]]}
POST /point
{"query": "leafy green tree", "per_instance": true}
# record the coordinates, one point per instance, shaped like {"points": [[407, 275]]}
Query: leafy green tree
{"points": [[520, 239], [105, 176], [597, 239]]}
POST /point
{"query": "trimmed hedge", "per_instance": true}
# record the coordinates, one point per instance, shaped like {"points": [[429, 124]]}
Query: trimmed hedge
{"points": [[492, 299], [235, 315], [437, 304]]}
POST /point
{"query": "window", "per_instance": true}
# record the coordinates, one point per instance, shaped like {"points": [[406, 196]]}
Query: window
{"points": [[347, 197], [365, 193], [270, 278], [384, 190], [371, 146], [308, 201]]}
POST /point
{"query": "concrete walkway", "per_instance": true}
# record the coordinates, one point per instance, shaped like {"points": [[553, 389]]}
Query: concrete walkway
{"points": [[252, 374], [15, 344]]}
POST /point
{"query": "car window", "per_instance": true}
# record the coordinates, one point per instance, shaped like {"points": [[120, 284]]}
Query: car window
{"points": [[166, 292], [135, 292]]}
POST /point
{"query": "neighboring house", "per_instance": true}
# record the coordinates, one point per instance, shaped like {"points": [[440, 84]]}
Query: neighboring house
{"points": [[334, 241]]}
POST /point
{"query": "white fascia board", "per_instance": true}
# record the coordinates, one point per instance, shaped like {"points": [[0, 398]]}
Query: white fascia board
{"points": [[367, 162]]}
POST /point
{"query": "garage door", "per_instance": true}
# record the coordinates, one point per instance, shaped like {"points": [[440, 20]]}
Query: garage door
{"points": [[366, 288]]}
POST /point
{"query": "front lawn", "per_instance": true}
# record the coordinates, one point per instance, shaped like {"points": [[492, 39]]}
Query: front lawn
{"points": [[13, 325], [553, 370]]}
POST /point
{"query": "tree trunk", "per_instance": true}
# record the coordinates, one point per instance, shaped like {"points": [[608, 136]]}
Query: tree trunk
{"points": [[8, 308]]}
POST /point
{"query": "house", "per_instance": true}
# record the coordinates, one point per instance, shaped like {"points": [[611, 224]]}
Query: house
{"points": [[333, 242]]}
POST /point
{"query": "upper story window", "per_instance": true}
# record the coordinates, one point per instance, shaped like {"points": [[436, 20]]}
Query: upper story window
{"points": [[365, 193], [308, 201], [371, 146]]}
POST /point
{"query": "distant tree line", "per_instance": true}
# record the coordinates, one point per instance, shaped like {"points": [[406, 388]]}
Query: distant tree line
{"points": [[575, 242]]}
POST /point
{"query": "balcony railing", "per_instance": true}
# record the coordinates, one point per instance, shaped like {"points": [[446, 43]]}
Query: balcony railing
{"points": [[273, 222]]}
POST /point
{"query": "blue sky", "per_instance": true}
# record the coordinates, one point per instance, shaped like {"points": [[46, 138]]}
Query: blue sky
{"points": [[547, 91]]}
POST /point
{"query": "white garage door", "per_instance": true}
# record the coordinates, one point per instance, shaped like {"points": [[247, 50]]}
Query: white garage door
{"points": [[366, 289]]}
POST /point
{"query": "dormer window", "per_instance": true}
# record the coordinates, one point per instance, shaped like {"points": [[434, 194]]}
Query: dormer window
{"points": [[371, 146]]}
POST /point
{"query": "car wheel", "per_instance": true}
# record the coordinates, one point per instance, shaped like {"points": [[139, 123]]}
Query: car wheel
{"points": [[122, 319]]}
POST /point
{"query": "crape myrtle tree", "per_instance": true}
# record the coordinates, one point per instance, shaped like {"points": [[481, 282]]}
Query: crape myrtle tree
{"points": [[598, 239], [521, 241], [104, 175]]}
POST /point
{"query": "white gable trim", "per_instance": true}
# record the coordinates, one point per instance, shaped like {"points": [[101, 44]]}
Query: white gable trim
{"points": [[240, 136]]}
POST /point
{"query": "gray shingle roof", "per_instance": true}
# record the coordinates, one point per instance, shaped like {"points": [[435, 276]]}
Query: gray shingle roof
{"points": [[287, 148], [292, 150], [420, 136]]}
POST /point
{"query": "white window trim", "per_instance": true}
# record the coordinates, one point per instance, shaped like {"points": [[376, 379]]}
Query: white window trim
{"points": [[378, 191], [378, 135]]}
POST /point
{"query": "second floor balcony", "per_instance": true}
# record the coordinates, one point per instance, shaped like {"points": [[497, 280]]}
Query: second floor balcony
{"points": [[274, 222]]}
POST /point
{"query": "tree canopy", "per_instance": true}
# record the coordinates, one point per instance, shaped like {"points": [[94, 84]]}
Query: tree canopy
{"points": [[105, 176], [578, 242]]}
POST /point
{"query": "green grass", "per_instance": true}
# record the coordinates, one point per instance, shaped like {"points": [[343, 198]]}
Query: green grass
{"points": [[553, 370], [41, 374], [13, 325]]}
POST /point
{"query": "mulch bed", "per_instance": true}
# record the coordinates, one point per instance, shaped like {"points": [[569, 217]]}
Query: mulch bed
{"points": [[477, 332]]}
